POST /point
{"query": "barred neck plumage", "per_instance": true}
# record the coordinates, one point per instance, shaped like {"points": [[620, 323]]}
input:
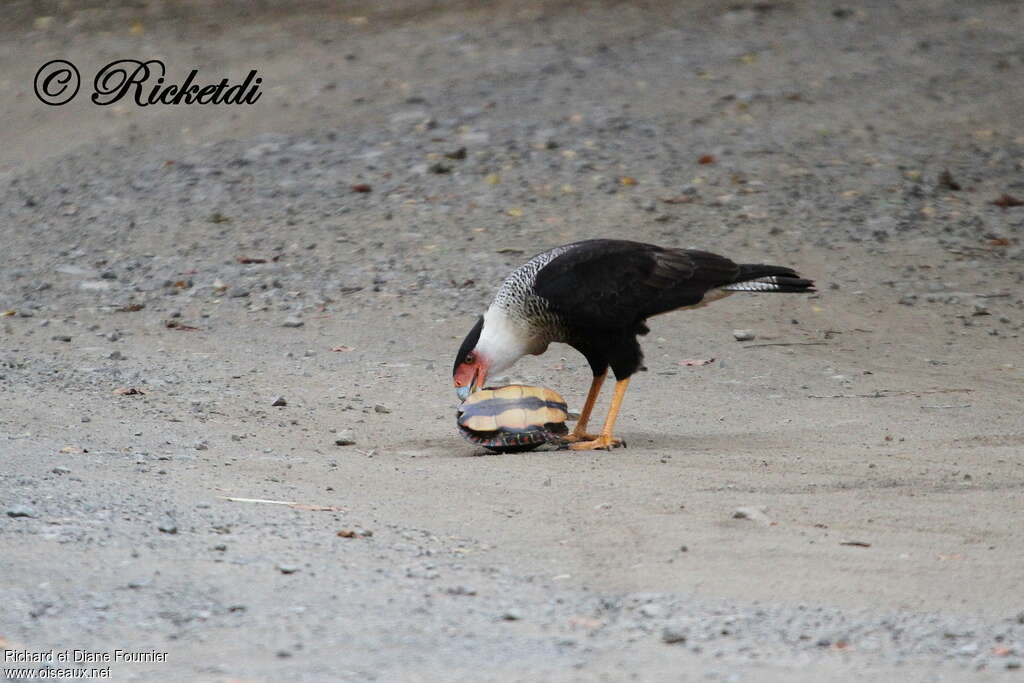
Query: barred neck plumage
{"points": [[516, 296]]}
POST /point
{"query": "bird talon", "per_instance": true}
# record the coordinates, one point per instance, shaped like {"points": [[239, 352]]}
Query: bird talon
{"points": [[583, 436], [601, 443]]}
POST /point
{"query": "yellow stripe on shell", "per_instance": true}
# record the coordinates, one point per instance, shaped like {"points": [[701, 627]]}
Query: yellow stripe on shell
{"points": [[515, 419], [515, 391]]}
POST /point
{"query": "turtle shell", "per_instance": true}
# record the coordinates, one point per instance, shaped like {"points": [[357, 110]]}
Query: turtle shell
{"points": [[513, 418]]}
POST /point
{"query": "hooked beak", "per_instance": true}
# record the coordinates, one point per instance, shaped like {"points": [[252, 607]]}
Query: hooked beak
{"points": [[477, 382]]}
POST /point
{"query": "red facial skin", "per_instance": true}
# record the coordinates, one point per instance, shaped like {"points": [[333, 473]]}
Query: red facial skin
{"points": [[471, 375]]}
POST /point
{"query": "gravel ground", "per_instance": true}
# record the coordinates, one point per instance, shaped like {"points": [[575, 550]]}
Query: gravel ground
{"points": [[203, 304]]}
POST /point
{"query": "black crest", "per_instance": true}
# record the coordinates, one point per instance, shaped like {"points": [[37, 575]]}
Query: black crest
{"points": [[469, 343]]}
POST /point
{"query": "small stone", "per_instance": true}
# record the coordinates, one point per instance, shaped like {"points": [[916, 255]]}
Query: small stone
{"points": [[512, 615], [293, 321], [285, 568], [116, 355], [754, 514], [61, 337], [201, 446], [652, 611], [86, 418], [743, 335], [674, 634], [346, 437], [20, 511], [238, 293], [279, 401], [381, 408], [1013, 665], [61, 470], [168, 528]]}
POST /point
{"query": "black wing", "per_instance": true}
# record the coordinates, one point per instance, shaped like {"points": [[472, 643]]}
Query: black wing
{"points": [[616, 284]]}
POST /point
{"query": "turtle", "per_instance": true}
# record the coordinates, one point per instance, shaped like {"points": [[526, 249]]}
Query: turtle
{"points": [[513, 418]]}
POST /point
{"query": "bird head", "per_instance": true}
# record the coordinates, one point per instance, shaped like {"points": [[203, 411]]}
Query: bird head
{"points": [[494, 344], [471, 364]]}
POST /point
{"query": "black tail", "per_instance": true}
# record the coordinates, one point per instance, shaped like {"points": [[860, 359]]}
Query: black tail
{"points": [[755, 277]]}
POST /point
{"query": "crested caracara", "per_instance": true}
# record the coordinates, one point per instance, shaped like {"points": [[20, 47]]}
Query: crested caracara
{"points": [[596, 296]]}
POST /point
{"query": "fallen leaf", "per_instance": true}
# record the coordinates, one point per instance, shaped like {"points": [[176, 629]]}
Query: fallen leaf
{"points": [[73, 449], [678, 199], [250, 259], [585, 622], [8, 314], [706, 159], [627, 180], [946, 181], [175, 325], [218, 217], [130, 308], [999, 242], [515, 212], [1006, 201], [362, 187], [346, 533]]}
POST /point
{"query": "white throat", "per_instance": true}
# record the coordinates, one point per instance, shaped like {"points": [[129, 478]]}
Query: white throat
{"points": [[504, 340]]}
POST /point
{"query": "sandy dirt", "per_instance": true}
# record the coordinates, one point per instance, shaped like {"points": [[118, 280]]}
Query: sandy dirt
{"points": [[217, 258]]}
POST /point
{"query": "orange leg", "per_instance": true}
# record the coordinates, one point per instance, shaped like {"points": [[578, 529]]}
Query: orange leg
{"points": [[606, 440], [580, 432]]}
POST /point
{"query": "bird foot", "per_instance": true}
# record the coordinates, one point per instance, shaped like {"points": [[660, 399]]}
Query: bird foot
{"points": [[600, 443], [575, 437]]}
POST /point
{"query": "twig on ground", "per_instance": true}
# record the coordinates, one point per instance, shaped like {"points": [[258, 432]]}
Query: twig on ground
{"points": [[818, 343], [289, 503], [888, 393]]}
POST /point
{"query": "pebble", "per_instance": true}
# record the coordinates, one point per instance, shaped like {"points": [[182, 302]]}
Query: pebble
{"points": [[116, 355], [743, 335], [285, 568], [652, 611], [511, 615], [168, 528], [293, 321], [346, 437], [201, 446], [20, 511], [61, 337], [674, 634], [754, 514], [381, 408], [279, 401]]}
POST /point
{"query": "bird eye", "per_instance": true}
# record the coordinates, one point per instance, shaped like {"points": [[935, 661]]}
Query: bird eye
{"points": [[469, 358]]}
